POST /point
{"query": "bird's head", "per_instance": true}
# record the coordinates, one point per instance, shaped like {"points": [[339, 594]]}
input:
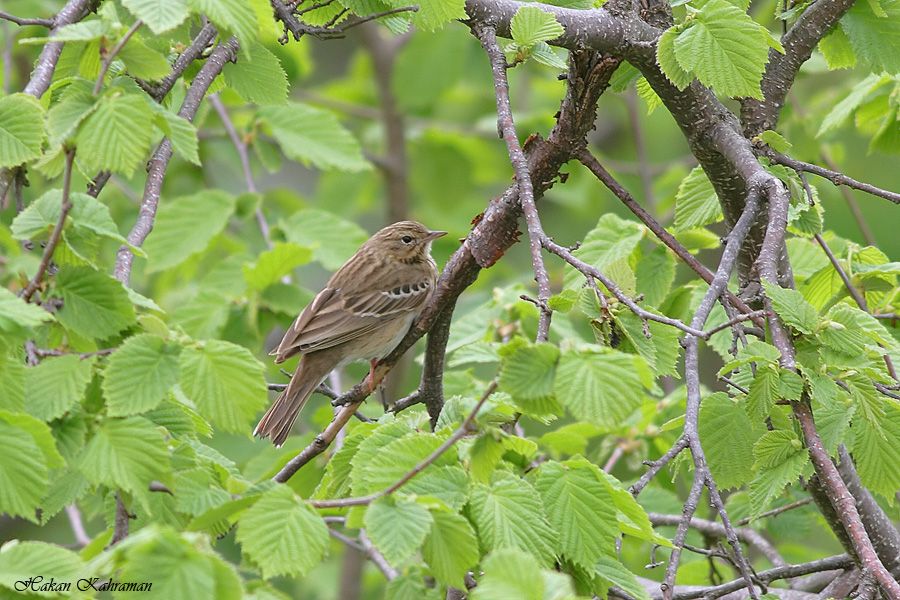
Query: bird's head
{"points": [[407, 241]]}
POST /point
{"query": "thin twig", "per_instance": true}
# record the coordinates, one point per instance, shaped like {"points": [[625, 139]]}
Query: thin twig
{"points": [[21, 21], [834, 177], [244, 156], [775, 511], [657, 465], [75, 521], [50, 248], [111, 56], [377, 557], [506, 127]]}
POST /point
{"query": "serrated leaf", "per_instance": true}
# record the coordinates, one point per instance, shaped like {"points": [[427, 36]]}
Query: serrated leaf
{"points": [[313, 136], [56, 384], [725, 49], [434, 14], [451, 548], [21, 129], [185, 226], [727, 436], [509, 514], [544, 54], [696, 202], [126, 454], [876, 451], [117, 134], [226, 383], [275, 263], [75, 103], [579, 508], [775, 140], [531, 25], [871, 34], [94, 304], [22, 560], [793, 309], [756, 351], [16, 314], [235, 16], [763, 393], [140, 374], [668, 62], [332, 238], [510, 573], [836, 49], [613, 239], [181, 133], [23, 473], [142, 61], [600, 387], [159, 15], [291, 544], [527, 373], [397, 527], [846, 107], [779, 460], [646, 93], [615, 573], [261, 79]]}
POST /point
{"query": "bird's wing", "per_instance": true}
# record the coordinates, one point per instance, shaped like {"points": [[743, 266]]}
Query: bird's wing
{"points": [[335, 317]]}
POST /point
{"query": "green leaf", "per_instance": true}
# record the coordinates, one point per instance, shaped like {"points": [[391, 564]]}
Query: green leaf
{"points": [[282, 534], [668, 62], [527, 374], [837, 50], [763, 392], [727, 436], [332, 239], [12, 378], [159, 15], [531, 25], [615, 573], [21, 560], [23, 472], [451, 548], [509, 514], [780, 459], [185, 226], [605, 388], [75, 103], [579, 508], [544, 54], [94, 304], [877, 451], [181, 133], [226, 383], [127, 454], [655, 273], [696, 202], [139, 375], [261, 79], [55, 385], [142, 61], [646, 93], [16, 314], [756, 351], [846, 107], [510, 573], [313, 136], [377, 466], [236, 16], [793, 309], [117, 135], [434, 14], [873, 37], [613, 239], [725, 48], [775, 140], [21, 129], [397, 527], [273, 264]]}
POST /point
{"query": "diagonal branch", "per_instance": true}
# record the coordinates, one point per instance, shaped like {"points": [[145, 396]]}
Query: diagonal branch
{"points": [[835, 177], [159, 162], [506, 127]]}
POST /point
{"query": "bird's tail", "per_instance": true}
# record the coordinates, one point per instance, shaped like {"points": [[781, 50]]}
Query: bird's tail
{"points": [[276, 424]]}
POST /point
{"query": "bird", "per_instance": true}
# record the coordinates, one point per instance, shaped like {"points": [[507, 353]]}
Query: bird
{"points": [[362, 313]]}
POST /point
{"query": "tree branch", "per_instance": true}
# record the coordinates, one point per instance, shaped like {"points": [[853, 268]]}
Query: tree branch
{"points": [[20, 21], [835, 177], [50, 248], [224, 52], [111, 56], [506, 127]]}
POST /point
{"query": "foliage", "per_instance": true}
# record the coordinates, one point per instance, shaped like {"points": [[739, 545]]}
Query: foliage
{"points": [[116, 384]]}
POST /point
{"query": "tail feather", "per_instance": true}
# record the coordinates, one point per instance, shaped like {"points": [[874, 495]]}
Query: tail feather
{"points": [[276, 424]]}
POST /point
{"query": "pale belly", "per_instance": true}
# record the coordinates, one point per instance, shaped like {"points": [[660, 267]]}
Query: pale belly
{"points": [[379, 343]]}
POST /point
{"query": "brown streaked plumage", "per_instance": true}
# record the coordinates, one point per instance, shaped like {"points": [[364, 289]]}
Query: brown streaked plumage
{"points": [[364, 311]]}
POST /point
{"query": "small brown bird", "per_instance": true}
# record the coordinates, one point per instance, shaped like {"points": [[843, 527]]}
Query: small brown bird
{"points": [[364, 311]]}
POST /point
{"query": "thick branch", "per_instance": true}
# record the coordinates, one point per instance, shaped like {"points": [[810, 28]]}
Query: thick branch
{"points": [[224, 52]]}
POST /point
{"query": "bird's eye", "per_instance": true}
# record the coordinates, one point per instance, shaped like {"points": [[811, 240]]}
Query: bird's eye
{"points": [[406, 239]]}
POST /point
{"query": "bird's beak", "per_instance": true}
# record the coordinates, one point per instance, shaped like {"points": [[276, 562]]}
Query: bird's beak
{"points": [[433, 235]]}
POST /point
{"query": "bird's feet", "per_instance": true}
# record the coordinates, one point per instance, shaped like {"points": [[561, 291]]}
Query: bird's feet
{"points": [[370, 379]]}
